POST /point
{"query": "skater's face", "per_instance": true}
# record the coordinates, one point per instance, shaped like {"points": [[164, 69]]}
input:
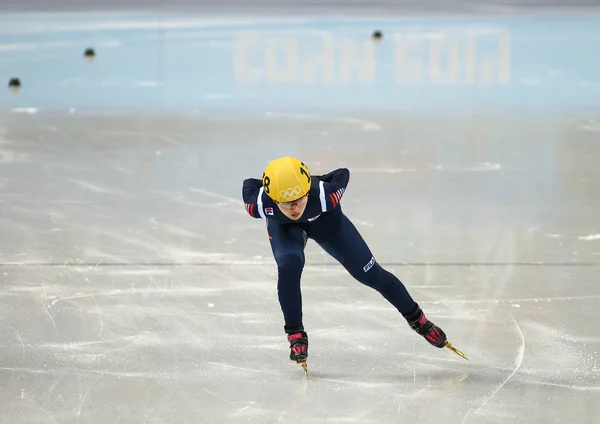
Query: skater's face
{"points": [[294, 210]]}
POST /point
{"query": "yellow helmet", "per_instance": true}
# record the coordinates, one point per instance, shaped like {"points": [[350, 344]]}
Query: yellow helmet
{"points": [[286, 179]]}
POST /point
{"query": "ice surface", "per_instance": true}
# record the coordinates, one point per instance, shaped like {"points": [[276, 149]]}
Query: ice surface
{"points": [[136, 289]]}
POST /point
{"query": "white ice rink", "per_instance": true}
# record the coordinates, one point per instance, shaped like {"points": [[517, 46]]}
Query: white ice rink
{"points": [[136, 289]]}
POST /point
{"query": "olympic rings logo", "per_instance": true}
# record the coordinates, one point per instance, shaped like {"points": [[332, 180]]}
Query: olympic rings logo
{"points": [[290, 193]]}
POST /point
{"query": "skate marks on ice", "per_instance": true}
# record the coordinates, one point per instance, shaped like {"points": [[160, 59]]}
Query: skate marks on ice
{"points": [[147, 335], [158, 331], [192, 333], [131, 338], [134, 187], [518, 361], [493, 333], [148, 339]]}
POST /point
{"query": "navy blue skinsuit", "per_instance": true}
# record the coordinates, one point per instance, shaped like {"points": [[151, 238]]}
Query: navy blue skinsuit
{"points": [[324, 222]]}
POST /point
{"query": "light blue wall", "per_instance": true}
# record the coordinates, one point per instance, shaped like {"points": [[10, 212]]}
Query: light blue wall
{"points": [[179, 62]]}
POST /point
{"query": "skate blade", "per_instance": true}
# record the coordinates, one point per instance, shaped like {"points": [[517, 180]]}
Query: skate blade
{"points": [[455, 350], [304, 367]]}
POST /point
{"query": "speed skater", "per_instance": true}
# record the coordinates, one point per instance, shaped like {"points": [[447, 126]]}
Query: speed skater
{"points": [[298, 206]]}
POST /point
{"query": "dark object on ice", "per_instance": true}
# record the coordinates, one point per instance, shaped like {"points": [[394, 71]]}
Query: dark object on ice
{"points": [[377, 35], [89, 54], [14, 84]]}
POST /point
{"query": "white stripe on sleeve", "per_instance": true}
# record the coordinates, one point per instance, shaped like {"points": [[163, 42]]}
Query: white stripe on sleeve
{"points": [[322, 196], [259, 203]]}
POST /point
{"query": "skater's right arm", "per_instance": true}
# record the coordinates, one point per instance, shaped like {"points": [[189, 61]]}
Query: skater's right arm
{"points": [[334, 184], [251, 190], [337, 178]]}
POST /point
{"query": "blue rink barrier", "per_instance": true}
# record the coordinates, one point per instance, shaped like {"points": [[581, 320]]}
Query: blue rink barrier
{"points": [[151, 62]]}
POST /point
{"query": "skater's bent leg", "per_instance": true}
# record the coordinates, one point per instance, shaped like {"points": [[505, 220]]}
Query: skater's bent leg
{"points": [[289, 269], [287, 244], [340, 238]]}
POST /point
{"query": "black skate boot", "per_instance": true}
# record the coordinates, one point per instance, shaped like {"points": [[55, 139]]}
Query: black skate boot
{"points": [[431, 332], [298, 345]]}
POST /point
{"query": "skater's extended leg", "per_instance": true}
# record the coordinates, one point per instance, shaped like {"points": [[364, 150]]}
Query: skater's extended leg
{"points": [[340, 238]]}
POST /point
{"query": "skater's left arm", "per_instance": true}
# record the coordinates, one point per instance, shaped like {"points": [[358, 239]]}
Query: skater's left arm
{"points": [[333, 185]]}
